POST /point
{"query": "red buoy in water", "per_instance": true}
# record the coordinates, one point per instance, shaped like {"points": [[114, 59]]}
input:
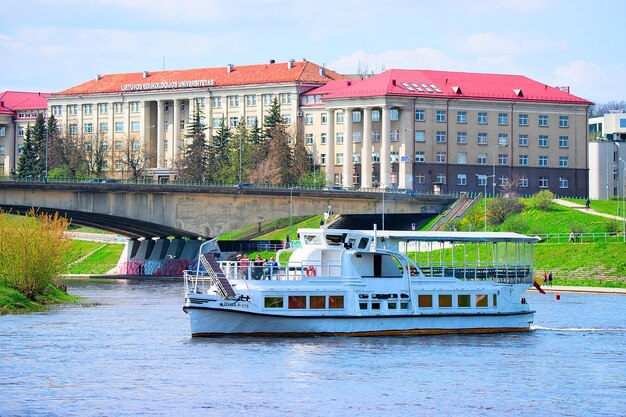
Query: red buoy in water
{"points": [[557, 297]]}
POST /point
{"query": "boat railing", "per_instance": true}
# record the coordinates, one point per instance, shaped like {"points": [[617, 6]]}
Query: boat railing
{"points": [[291, 272], [505, 274], [196, 282]]}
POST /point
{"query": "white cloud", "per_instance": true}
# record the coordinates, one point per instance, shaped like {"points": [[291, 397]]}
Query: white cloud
{"points": [[422, 58]]}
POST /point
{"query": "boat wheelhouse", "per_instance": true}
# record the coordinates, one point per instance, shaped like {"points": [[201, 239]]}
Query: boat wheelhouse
{"points": [[358, 282]]}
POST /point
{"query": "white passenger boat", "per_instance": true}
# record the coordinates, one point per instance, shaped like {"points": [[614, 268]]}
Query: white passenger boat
{"points": [[361, 283]]}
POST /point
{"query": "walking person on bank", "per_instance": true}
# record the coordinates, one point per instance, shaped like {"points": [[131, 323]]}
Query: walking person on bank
{"points": [[550, 279], [545, 278], [587, 203]]}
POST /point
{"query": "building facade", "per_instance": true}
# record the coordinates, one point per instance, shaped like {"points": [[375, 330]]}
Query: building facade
{"points": [[18, 110], [429, 130], [607, 155]]}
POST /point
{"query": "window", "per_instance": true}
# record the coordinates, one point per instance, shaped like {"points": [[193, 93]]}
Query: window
{"points": [[339, 158], [394, 156], [503, 139], [420, 136], [268, 99], [356, 116], [461, 179], [88, 128], [394, 114], [119, 164], [87, 109], [420, 178], [217, 122], [503, 181], [286, 118], [463, 300], [308, 118], [482, 159], [324, 118], [323, 136], [563, 182], [481, 180], [461, 138], [251, 120], [375, 115], [420, 156], [217, 102], [166, 107], [523, 140], [104, 145], [72, 109], [136, 145], [503, 159], [134, 126], [296, 302], [119, 127], [309, 138], [119, 145], [543, 182], [482, 138], [543, 120], [250, 101], [441, 158], [339, 117], [523, 160], [119, 108], [461, 158], [543, 141], [200, 103], [233, 101], [233, 121], [420, 115], [375, 136], [375, 157], [461, 117], [563, 141], [285, 98], [134, 107], [394, 135], [323, 159], [563, 161], [482, 301], [20, 130], [441, 116], [317, 302], [73, 128], [273, 302], [543, 160], [522, 182], [1, 149], [356, 158], [441, 137], [445, 301], [563, 121], [441, 178], [482, 118], [522, 120], [339, 138], [166, 125], [425, 300], [20, 148], [356, 137], [3, 131], [335, 301], [57, 110], [503, 119]]}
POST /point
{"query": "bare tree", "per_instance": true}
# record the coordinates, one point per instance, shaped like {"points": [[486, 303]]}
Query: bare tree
{"points": [[96, 151], [134, 158]]}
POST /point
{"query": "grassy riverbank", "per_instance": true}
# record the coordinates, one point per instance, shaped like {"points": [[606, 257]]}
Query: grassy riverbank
{"points": [[14, 302]]}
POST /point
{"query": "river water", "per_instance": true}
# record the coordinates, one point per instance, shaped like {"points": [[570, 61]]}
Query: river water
{"points": [[127, 351]]}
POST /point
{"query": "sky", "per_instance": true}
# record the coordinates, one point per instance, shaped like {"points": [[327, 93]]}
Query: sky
{"points": [[51, 45]]}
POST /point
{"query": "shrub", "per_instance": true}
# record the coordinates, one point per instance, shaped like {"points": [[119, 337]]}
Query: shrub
{"points": [[577, 228], [612, 226], [500, 208], [515, 224], [31, 251], [542, 200]]}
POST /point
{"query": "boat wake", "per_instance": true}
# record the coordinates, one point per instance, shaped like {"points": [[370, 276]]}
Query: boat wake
{"points": [[577, 329]]}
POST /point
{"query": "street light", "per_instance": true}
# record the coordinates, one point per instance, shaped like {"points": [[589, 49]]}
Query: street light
{"points": [[493, 186], [290, 212], [485, 177], [47, 139]]}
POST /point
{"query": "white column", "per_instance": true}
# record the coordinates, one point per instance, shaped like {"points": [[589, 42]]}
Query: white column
{"points": [[160, 133], [348, 164], [330, 148], [385, 144], [176, 138], [111, 123], [366, 149], [405, 151]]}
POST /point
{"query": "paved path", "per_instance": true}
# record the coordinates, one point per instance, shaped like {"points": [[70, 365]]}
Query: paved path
{"points": [[96, 237], [580, 207], [589, 290]]}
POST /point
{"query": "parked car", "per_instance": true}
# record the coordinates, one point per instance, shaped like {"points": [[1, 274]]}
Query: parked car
{"points": [[333, 188], [244, 185]]}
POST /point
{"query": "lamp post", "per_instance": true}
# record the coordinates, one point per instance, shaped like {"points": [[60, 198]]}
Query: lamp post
{"points": [[240, 152], [623, 201], [493, 174], [314, 179], [485, 177], [46, 169], [290, 212]]}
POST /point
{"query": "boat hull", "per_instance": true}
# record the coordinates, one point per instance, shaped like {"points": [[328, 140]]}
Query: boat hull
{"points": [[208, 322]]}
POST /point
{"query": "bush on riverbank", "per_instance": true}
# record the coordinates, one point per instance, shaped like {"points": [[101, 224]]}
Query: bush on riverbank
{"points": [[32, 249]]}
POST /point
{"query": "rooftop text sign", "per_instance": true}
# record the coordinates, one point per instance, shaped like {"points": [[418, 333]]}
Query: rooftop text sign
{"points": [[167, 85]]}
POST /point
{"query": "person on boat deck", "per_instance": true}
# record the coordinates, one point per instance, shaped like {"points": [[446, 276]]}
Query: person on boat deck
{"points": [[244, 263], [270, 267], [257, 271]]}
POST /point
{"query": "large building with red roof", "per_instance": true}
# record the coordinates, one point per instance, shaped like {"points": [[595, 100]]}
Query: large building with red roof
{"points": [[17, 111], [408, 129], [451, 131]]}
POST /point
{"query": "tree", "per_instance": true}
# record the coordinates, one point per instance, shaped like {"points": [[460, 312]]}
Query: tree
{"points": [[301, 162], [193, 165], [273, 118], [32, 159], [500, 208], [74, 155], [96, 152], [243, 154], [219, 154], [279, 153], [134, 158], [55, 145], [25, 165]]}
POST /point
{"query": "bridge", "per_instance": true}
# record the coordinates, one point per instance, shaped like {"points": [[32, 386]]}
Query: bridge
{"points": [[138, 210]]}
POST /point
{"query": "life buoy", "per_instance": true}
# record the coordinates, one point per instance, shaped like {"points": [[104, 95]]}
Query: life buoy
{"points": [[310, 271]]}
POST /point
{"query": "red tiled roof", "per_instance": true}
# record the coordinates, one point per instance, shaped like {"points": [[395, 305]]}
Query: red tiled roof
{"points": [[301, 71], [446, 84], [17, 100]]}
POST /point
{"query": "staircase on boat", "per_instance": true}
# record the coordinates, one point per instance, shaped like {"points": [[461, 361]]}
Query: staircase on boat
{"points": [[214, 270]]}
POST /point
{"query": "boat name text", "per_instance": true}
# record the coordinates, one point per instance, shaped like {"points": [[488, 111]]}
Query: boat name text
{"points": [[234, 304]]}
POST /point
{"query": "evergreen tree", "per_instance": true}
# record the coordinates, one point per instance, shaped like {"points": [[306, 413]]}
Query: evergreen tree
{"points": [[193, 166], [279, 153], [219, 152], [26, 162], [301, 162], [38, 140], [242, 154], [55, 145], [255, 134], [272, 119]]}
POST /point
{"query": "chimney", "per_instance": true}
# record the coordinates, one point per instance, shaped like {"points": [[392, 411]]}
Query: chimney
{"points": [[290, 63], [272, 61], [349, 83], [98, 77], [229, 68], [1, 103], [393, 82], [322, 71], [146, 74]]}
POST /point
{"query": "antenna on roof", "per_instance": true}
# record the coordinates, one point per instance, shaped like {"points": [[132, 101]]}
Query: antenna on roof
{"points": [[163, 62]]}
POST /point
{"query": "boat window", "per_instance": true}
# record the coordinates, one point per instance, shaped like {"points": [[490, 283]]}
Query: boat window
{"points": [[482, 300], [404, 306], [364, 296], [363, 243], [445, 300], [317, 302], [350, 243], [463, 300], [297, 301], [376, 306], [392, 305], [363, 306], [273, 302], [312, 240], [425, 300], [334, 240], [404, 295], [495, 300], [335, 301]]}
